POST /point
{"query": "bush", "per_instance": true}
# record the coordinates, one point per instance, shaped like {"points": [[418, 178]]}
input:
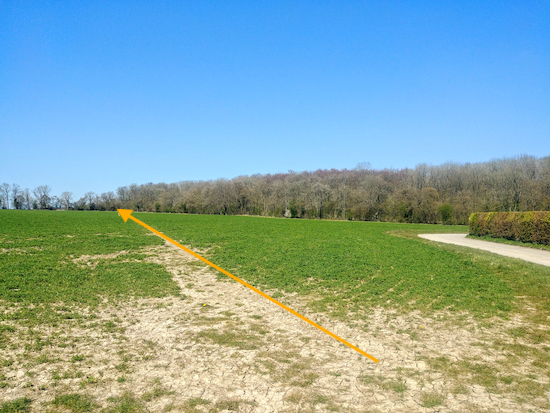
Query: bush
{"points": [[533, 226], [445, 212]]}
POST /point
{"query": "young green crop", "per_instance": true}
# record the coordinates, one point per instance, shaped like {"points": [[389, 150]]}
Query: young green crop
{"points": [[38, 267], [346, 266], [342, 267]]}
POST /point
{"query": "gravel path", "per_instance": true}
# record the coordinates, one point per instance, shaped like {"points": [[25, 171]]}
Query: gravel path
{"points": [[541, 257]]}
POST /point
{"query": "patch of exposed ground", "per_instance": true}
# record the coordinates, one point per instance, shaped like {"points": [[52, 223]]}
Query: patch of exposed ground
{"points": [[20, 251], [220, 347]]}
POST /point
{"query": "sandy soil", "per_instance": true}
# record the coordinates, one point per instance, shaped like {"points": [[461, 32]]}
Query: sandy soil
{"points": [[222, 347]]}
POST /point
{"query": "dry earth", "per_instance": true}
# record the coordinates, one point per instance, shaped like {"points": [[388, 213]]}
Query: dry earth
{"points": [[222, 347]]}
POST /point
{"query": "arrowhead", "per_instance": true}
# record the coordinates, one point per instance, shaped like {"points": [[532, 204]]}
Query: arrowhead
{"points": [[125, 213]]}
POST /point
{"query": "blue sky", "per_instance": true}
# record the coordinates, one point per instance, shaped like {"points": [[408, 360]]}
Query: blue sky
{"points": [[100, 94]]}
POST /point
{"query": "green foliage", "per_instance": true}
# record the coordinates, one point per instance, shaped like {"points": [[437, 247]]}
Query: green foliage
{"points": [[156, 392], [533, 227], [445, 212], [232, 405], [127, 403], [231, 338], [197, 401], [22, 405], [431, 399], [76, 403], [397, 385]]}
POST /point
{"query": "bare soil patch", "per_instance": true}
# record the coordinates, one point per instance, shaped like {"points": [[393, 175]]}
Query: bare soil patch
{"points": [[220, 347]]}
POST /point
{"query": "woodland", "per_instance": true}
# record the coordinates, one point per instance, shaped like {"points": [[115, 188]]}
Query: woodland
{"points": [[446, 193]]}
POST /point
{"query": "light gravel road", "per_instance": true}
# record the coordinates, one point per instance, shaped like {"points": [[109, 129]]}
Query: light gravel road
{"points": [[541, 257]]}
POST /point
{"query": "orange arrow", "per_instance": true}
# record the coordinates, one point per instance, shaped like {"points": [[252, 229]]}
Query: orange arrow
{"points": [[127, 213]]}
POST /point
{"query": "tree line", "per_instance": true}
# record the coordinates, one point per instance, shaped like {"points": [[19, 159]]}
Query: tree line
{"points": [[446, 193]]}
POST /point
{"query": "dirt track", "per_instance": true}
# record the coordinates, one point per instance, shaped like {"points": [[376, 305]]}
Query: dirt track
{"points": [[541, 257]]}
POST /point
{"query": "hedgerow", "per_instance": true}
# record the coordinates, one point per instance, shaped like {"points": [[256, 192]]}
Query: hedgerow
{"points": [[533, 226]]}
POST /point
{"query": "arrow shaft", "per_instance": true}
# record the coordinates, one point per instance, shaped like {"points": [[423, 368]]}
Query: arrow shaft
{"points": [[290, 310]]}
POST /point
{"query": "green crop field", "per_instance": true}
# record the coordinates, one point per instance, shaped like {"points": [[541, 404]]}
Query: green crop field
{"points": [[348, 266], [73, 271], [38, 269]]}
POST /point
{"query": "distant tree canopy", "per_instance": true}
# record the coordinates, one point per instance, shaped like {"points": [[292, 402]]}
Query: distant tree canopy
{"points": [[446, 193]]}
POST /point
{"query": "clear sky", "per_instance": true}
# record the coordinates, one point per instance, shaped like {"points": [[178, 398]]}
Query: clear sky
{"points": [[99, 94]]}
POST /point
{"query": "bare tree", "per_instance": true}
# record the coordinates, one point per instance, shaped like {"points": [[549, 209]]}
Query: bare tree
{"points": [[55, 202], [220, 195], [107, 201], [421, 175], [411, 195], [27, 199], [320, 194], [123, 194], [89, 199], [15, 192], [363, 166], [5, 194], [42, 194], [66, 199]]}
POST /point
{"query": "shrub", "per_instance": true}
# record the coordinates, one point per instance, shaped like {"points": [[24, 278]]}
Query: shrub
{"points": [[445, 212], [531, 226]]}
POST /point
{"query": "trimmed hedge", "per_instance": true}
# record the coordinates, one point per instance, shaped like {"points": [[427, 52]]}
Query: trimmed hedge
{"points": [[530, 226]]}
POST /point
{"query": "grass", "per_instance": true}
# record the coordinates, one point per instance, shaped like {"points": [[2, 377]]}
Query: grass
{"points": [[127, 403], [40, 248], [344, 267], [82, 260], [431, 399], [243, 340], [495, 379], [396, 385], [22, 405], [157, 391], [511, 242], [312, 399], [76, 403], [191, 404]]}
